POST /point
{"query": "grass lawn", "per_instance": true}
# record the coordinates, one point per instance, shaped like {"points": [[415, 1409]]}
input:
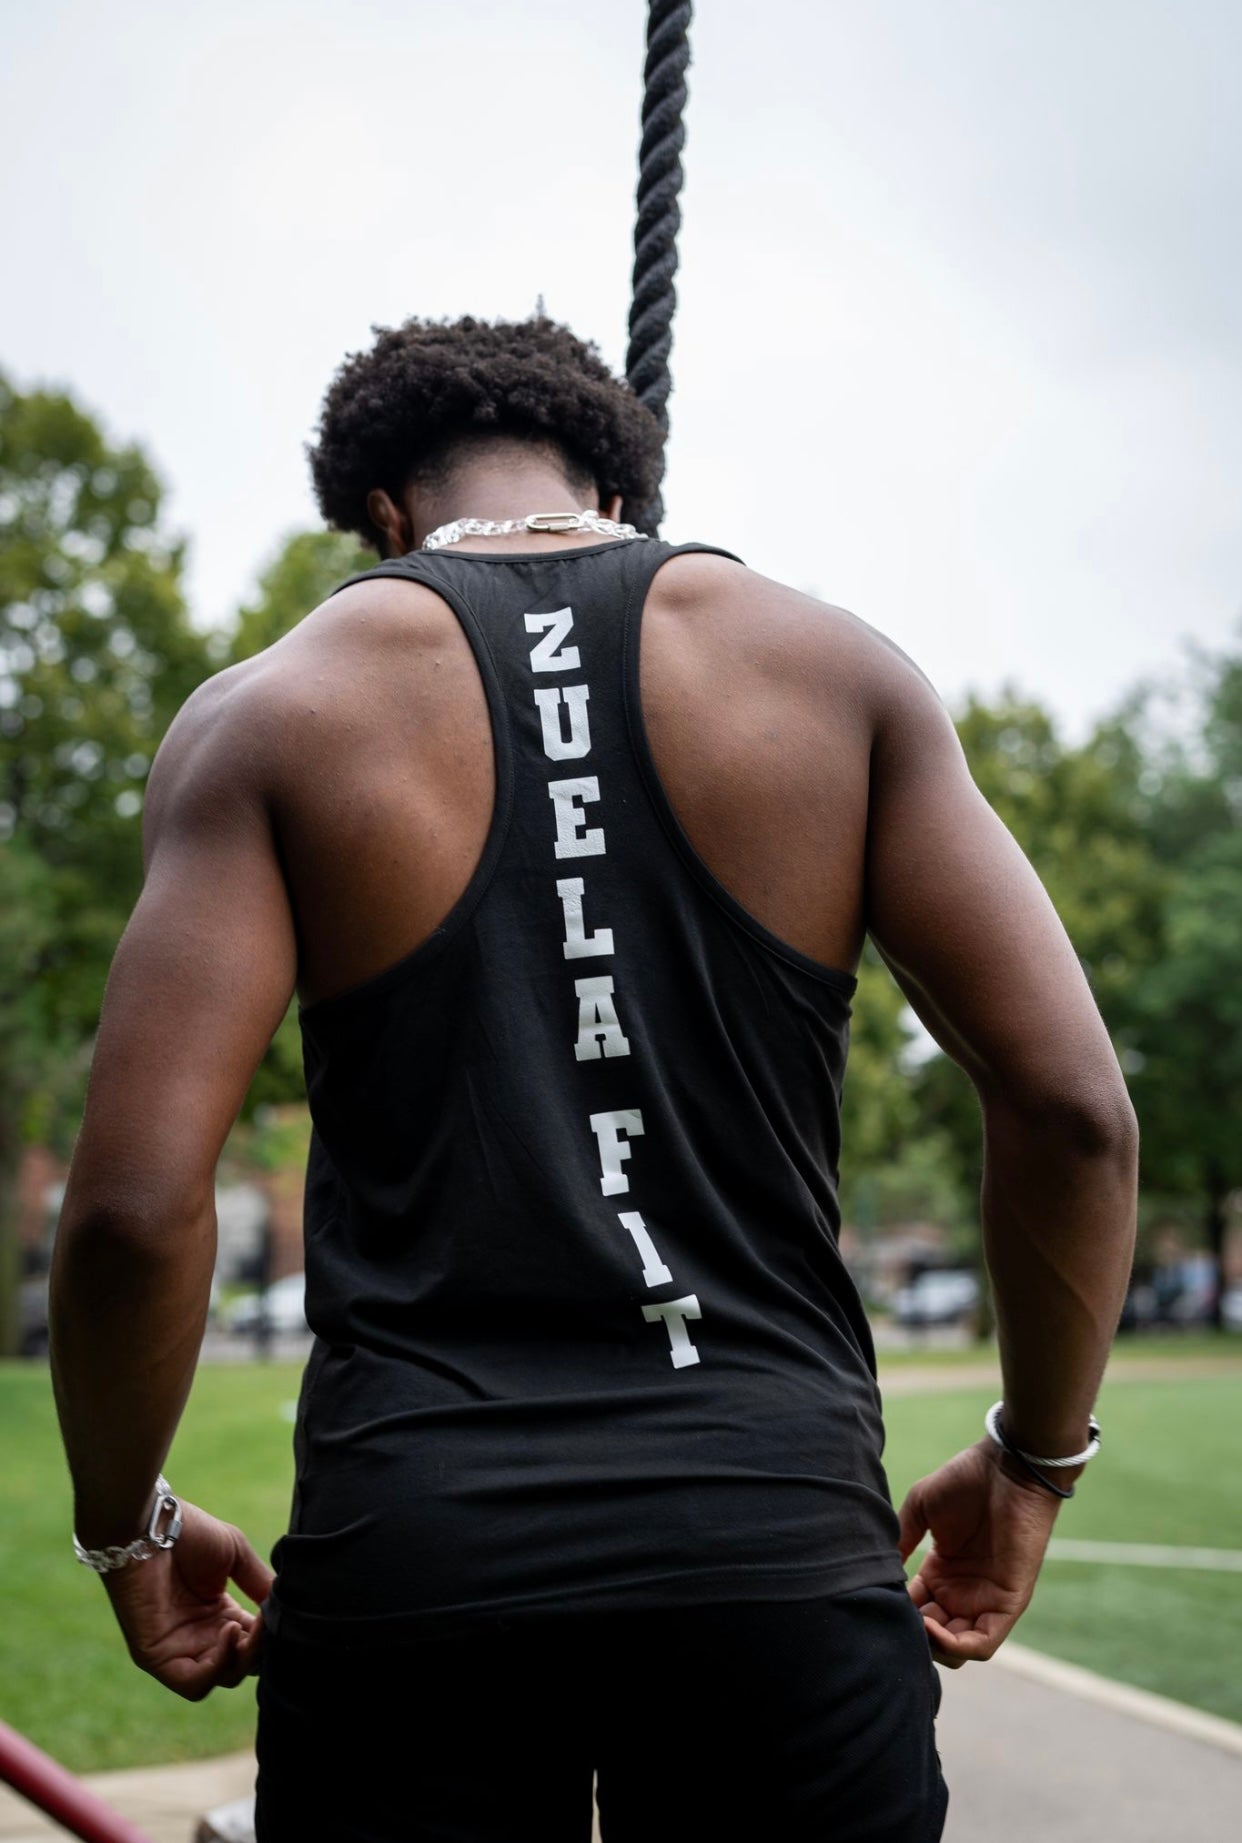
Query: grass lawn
{"points": [[1166, 1475], [1143, 1347], [66, 1679]]}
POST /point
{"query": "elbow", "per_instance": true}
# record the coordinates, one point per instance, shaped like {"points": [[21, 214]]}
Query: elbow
{"points": [[140, 1228], [1088, 1119], [94, 1253], [1105, 1126]]}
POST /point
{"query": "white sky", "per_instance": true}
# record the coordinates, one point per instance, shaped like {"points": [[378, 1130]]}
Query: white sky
{"points": [[958, 338]]}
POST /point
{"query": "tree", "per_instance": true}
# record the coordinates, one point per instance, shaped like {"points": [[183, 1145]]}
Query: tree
{"points": [[1080, 815], [1184, 1034], [96, 655], [1188, 1045], [304, 571], [27, 929]]}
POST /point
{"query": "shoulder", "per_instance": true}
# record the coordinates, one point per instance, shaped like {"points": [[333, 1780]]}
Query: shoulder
{"points": [[816, 636], [234, 735], [202, 767]]}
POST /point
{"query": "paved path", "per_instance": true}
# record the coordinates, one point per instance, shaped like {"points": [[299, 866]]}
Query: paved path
{"points": [[164, 1801], [1030, 1759], [1034, 1751]]}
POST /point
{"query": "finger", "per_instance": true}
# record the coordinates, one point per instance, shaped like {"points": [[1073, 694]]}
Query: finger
{"points": [[226, 1666], [196, 1677], [236, 1666], [939, 1654], [916, 1587], [945, 1661], [249, 1570], [969, 1646], [912, 1520], [249, 1648]]}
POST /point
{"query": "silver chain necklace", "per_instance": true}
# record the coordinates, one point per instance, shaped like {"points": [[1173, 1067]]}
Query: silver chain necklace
{"points": [[536, 521]]}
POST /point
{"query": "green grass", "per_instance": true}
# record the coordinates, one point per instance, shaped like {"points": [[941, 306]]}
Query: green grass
{"points": [[66, 1679], [1127, 1349], [1167, 1474]]}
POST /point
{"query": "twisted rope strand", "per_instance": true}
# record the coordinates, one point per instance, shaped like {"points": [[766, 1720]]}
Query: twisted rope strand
{"points": [[658, 221]]}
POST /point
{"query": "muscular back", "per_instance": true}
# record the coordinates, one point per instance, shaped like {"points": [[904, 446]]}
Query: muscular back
{"points": [[313, 814], [759, 704]]}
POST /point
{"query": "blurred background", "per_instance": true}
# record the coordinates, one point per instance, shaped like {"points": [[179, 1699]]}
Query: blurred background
{"points": [[956, 347]]}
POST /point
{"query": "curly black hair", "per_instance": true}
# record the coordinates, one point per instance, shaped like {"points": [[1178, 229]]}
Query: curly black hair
{"points": [[400, 412]]}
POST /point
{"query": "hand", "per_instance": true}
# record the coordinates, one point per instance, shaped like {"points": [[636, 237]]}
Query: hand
{"points": [[990, 1534], [180, 1623]]}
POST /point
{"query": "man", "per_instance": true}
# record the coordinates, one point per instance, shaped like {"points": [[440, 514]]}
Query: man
{"points": [[567, 842]]}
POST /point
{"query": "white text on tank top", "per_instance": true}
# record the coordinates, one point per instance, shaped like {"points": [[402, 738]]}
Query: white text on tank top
{"points": [[566, 729]]}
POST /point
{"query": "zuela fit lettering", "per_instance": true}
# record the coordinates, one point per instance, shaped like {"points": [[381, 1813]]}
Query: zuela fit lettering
{"points": [[583, 1335], [599, 1029]]}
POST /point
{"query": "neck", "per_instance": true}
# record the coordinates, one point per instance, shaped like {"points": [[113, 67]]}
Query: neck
{"points": [[498, 493]]}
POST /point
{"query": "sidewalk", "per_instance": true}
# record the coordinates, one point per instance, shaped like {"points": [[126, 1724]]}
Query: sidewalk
{"points": [[1029, 1756], [1032, 1749], [164, 1801]]}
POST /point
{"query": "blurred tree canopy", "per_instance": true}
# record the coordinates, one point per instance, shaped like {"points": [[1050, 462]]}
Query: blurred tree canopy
{"points": [[96, 655], [1136, 832], [1180, 1024], [1077, 814], [303, 573]]}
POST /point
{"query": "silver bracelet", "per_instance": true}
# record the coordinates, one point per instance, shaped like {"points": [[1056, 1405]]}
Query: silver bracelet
{"points": [[991, 1420], [144, 1546]]}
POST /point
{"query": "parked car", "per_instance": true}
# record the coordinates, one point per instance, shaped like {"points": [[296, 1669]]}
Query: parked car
{"points": [[283, 1304], [1140, 1307], [32, 1317], [1186, 1291], [941, 1296], [33, 1314]]}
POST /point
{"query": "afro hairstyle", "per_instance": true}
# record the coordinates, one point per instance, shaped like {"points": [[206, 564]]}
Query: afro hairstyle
{"points": [[428, 388]]}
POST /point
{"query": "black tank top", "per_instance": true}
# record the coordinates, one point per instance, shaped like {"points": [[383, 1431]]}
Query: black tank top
{"points": [[583, 1336]]}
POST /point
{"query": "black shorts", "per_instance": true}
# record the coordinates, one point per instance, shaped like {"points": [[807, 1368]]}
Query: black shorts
{"points": [[774, 1722]]}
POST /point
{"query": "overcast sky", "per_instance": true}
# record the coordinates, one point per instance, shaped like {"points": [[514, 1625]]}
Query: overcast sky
{"points": [[958, 343]]}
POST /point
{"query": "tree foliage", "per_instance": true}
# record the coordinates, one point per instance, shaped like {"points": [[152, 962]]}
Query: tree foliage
{"points": [[96, 655], [304, 571], [1183, 1031]]}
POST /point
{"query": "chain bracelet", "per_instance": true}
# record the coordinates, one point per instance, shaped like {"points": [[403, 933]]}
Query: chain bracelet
{"points": [[118, 1555]]}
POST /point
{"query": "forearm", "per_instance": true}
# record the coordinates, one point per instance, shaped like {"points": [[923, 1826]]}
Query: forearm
{"points": [[1059, 1198], [126, 1314]]}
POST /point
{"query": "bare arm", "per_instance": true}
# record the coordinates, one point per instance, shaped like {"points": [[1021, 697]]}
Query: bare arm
{"points": [[202, 977], [973, 939]]}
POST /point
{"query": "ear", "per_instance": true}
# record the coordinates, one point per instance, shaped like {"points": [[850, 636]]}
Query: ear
{"points": [[391, 521], [611, 508]]}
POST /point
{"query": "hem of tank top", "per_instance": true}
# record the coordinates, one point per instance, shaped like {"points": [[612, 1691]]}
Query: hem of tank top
{"points": [[877, 1568], [836, 976], [459, 914]]}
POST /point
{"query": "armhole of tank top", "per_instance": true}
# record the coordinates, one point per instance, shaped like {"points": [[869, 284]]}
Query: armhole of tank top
{"points": [[640, 744], [455, 919]]}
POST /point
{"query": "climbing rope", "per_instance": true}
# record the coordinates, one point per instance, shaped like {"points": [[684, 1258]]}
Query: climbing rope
{"points": [[658, 221]]}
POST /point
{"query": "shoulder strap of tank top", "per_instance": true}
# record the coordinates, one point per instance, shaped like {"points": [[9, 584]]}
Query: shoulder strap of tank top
{"points": [[434, 568]]}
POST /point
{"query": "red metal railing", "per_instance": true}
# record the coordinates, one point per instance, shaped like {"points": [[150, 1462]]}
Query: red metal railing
{"points": [[53, 1788]]}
